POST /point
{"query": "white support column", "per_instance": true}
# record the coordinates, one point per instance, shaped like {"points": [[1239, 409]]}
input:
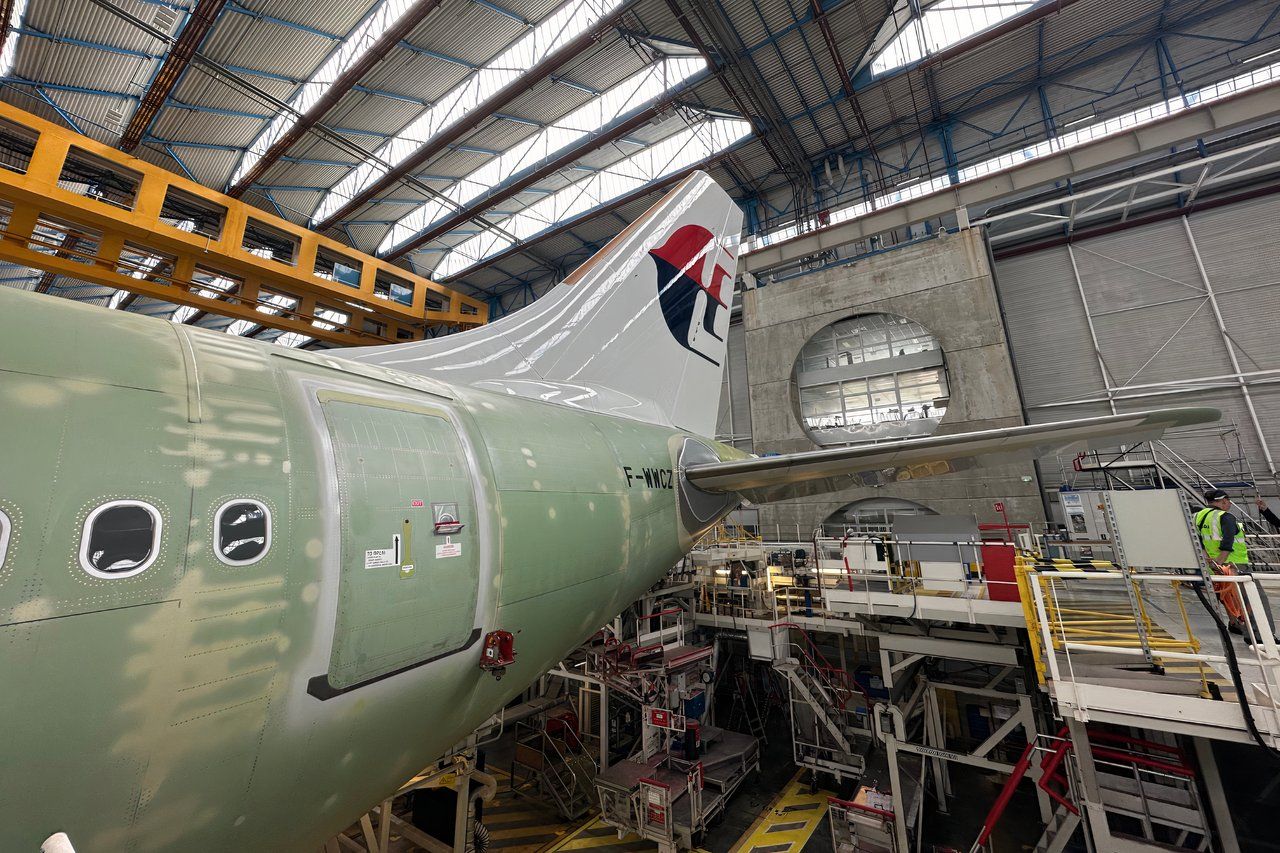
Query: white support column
{"points": [[1026, 714], [932, 736], [899, 795], [604, 727], [1092, 809], [1093, 335], [1227, 841], [1231, 350], [462, 813]]}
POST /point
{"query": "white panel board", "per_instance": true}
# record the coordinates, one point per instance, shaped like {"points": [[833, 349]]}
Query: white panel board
{"points": [[1152, 530]]}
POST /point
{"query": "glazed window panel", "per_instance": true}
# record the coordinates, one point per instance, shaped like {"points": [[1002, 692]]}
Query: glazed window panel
{"points": [[242, 531], [120, 539]]}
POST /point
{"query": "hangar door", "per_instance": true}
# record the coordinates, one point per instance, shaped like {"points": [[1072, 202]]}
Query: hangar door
{"points": [[408, 587]]}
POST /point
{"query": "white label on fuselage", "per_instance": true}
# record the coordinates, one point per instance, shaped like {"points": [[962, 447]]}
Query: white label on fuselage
{"points": [[379, 558], [449, 549]]}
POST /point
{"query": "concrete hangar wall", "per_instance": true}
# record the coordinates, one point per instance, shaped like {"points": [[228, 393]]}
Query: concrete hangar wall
{"points": [[944, 285], [1143, 293]]}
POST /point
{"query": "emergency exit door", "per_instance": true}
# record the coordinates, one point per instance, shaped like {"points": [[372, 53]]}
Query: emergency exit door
{"points": [[408, 585]]}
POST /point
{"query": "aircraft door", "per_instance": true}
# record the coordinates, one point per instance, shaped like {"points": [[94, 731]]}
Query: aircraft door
{"points": [[409, 563]]}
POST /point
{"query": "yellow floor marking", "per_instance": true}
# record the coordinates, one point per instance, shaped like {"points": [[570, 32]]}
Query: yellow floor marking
{"points": [[789, 820], [522, 831], [575, 841], [492, 818]]}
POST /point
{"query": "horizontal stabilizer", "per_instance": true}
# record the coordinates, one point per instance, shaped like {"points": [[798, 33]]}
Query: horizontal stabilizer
{"points": [[771, 478]]}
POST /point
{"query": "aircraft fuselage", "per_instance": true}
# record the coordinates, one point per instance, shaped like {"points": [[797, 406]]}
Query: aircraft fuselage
{"points": [[214, 702]]}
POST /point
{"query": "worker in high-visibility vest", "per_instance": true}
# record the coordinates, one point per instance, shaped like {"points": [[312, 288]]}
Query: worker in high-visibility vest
{"points": [[1224, 545]]}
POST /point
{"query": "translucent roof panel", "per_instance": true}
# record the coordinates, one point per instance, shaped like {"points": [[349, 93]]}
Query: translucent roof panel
{"points": [[1081, 131], [943, 24], [354, 46], [10, 50], [558, 29], [636, 91], [686, 148]]}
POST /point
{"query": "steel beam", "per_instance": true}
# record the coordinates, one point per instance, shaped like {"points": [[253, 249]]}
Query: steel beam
{"points": [[960, 48], [621, 201], [1230, 113], [175, 63], [588, 144], [346, 81], [846, 83], [471, 120]]}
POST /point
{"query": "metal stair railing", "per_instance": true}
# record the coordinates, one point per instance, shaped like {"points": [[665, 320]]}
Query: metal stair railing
{"points": [[554, 774], [1163, 792], [827, 692]]}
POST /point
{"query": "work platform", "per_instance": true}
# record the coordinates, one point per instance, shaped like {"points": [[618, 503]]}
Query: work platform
{"points": [[670, 800], [1168, 669]]}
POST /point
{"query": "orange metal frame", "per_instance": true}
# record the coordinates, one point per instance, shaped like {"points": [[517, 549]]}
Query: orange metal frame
{"points": [[35, 194]]}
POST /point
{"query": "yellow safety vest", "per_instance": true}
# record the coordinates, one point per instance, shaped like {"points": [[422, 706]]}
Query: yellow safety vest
{"points": [[1209, 524]]}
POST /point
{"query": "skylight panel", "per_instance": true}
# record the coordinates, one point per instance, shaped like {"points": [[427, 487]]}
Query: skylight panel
{"points": [[269, 303], [217, 286], [1076, 132], [636, 91], [678, 151], [363, 37], [10, 51], [561, 27], [945, 23]]}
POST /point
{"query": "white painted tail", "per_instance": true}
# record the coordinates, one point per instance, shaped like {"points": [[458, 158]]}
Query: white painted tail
{"points": [[638, 330]]}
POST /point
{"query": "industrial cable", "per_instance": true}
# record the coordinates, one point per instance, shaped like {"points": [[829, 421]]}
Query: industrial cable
{"points": [[1237, 681], [479, 837]]}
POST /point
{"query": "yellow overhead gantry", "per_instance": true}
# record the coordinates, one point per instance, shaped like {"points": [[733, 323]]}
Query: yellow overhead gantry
{"points": [[72, 206]]}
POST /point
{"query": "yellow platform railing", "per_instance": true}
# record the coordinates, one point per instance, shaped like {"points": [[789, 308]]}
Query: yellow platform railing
{"points": [[1099, 628]]}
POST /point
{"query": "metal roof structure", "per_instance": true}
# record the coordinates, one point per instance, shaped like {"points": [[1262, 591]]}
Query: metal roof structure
{"points": [[495, 144]]}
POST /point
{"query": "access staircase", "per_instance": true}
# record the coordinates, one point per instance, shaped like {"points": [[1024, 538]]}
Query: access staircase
{"points": [[1147, 790], [550, 768], [825, 723], [745, 710]]}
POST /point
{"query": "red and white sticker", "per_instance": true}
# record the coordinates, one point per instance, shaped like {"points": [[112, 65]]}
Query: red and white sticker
{"points": [[449, 549]]}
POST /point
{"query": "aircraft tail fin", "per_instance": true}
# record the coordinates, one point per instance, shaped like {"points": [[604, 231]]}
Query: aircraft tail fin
{"points": [[637, 330]]}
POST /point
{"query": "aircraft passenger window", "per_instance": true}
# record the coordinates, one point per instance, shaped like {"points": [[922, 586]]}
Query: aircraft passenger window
{"points": [[243, 532], [5, 526], [120, 539]]}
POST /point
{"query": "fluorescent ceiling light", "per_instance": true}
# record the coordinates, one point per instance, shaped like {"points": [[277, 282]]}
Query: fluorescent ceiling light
{"points": [[1261, 55], [562, 26], [636, 91]]}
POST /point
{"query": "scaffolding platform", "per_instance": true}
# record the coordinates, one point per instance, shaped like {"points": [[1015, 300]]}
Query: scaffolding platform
{"points": [[669, 799]]}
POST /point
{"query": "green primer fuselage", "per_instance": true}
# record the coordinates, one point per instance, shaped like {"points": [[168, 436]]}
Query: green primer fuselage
{"points": [[206, 706]]}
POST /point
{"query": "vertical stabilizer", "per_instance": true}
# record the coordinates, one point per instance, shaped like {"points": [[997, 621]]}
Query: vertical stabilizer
{"points": [[638, 330]]}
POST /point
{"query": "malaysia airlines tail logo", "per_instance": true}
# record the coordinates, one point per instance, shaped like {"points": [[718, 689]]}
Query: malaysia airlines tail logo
{"points": [[692, 289]]}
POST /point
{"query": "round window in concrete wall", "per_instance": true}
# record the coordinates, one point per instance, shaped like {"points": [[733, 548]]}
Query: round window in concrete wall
{"points": [[873, 377], [870, 516]]}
